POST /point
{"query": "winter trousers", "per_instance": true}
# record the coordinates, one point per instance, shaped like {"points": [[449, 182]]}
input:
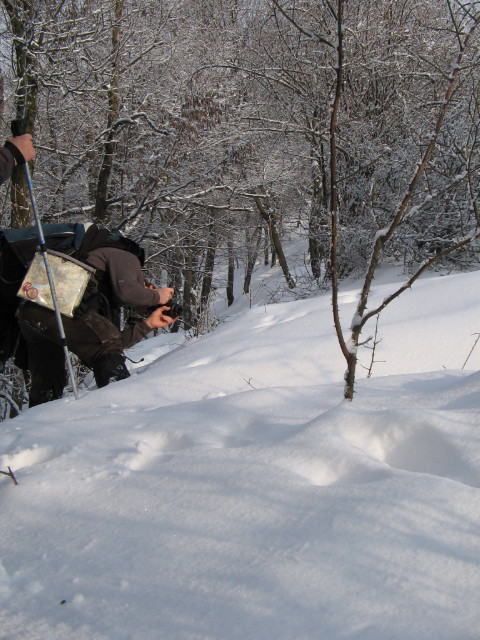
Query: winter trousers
{"points": [[93, 338]]}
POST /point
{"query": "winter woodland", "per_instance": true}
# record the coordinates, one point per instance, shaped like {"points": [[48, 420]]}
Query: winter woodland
{"points": [[292, 168], [215, 131]]}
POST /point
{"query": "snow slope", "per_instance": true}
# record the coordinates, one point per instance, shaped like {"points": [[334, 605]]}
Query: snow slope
{"points": [[226, 491]]}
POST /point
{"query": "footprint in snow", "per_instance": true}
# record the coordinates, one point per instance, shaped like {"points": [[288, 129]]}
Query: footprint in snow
{"points": [[30, 457], [153, 447]]}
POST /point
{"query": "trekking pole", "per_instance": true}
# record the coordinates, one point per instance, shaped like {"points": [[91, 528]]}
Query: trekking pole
{"points": [[18, 129]]}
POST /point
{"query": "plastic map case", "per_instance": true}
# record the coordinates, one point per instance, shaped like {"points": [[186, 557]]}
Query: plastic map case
{"points": [[70, 278]]}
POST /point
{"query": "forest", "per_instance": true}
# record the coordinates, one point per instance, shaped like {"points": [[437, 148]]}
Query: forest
{"points": [[215, 131]]}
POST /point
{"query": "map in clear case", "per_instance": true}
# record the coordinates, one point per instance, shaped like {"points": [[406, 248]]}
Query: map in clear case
{"points": [[70, 279]]}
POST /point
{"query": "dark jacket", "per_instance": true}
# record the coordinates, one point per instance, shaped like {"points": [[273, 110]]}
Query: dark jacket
{"points": [[6, 164], [125, 277], [121, 283]]}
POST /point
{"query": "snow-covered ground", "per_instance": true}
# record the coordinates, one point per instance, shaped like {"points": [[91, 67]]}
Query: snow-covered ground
{"points": [[227, 492]]}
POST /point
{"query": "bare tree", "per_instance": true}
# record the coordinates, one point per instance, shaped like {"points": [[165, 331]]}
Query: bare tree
{"points": [[464, 37], [383, 84]]}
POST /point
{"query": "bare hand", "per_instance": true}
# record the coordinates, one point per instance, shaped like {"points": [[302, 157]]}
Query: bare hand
{"points": [[24, 144], [165, 294], [156, 320]]}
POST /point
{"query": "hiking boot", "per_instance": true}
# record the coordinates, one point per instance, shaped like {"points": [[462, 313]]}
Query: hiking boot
{"points": [[110, 368]]}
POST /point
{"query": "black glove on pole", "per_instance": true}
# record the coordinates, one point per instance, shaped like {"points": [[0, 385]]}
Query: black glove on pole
{"points": [[18, 130]]}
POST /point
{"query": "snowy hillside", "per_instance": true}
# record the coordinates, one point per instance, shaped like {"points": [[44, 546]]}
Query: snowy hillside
{"points": [[227, 492]]}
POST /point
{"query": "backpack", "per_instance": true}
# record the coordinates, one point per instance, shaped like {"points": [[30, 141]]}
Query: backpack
{"points": [[18, 248]]}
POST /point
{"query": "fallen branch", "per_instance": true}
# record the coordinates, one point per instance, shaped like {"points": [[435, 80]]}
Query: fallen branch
{"points": [[9, 473]]}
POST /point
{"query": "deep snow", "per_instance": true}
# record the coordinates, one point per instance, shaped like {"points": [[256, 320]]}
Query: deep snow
{"points": [[226, 491]]}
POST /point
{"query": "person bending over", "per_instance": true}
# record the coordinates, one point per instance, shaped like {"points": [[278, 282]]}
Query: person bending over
{"points": [[94, 334]]}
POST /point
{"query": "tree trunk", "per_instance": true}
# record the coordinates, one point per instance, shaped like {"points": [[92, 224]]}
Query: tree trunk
{"points": [[175, 280], [188, 315], [267, 214], [231, 272], [102, 194], [318, 221], [253, 244], [21, 16], [209, 265], [2, 100], [266, 246], [350, 356], [314, 246]]}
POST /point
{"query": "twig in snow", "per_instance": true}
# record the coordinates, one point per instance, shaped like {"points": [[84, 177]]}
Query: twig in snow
{"points": [[471, 350], [249, 382], [9, 473]]}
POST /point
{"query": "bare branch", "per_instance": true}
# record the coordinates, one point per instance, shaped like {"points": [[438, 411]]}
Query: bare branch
{"points": [[305, 32]]}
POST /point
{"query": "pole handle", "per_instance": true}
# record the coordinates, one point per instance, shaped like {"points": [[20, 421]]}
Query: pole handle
{"points": [[18, 127]]}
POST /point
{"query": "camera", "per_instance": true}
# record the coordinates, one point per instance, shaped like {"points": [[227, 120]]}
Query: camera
{"points": [[174, 311]]}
